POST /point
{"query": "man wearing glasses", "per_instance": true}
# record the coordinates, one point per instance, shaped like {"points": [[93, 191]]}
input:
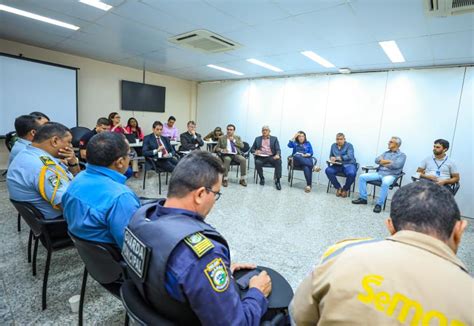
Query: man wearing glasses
{"points": [[180, 264], [390, 166]]}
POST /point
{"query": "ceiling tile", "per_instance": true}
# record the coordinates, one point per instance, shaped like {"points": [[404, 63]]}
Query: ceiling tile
{"points": [[456, 23], [296, 7], [416, 48], [453, 45]]}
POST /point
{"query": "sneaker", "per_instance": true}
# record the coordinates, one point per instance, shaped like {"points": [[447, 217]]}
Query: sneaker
{"points": [[262, 181], [225, 183], [243, 182], [377, 209], [360, 201]]}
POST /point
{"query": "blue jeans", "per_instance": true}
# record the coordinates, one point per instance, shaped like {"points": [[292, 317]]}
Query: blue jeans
{"points": [[349, 170], [386, 182], [306, 163]]}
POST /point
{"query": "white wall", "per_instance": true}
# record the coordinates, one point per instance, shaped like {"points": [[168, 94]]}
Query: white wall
{"points": [[417, 105]]}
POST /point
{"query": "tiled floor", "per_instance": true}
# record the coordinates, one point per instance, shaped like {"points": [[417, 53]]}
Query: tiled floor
{"points": [[287, 230]]}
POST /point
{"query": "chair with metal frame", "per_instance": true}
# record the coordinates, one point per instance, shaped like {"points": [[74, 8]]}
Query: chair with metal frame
{"points": [[155, 168], [453, 187], [378, 183], [342, 175], [245, 152], [292, 168]]}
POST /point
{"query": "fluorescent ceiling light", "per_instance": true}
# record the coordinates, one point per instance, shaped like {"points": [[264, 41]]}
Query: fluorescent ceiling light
{"points": [[264, 65], [97, 3], [313, 56], [344, 70], [230, 71], [392, 51], [37, 17]]}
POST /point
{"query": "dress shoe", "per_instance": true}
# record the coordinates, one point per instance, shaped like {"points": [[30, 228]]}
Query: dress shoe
{"points": [[307, 189], [262, 181], [360, 201], [243, 182], [278, 185], [338, 192], [343, 193], [377, 209], [225, 183]]}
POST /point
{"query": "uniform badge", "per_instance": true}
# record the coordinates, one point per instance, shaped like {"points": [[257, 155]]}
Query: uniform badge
{"points": [[47, 160], [217, 275], [198, 243], [55, 181]]}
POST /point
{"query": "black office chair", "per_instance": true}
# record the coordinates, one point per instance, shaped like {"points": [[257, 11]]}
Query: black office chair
{"points": [[454, 187], [377, 183], [104, 263], [137, 309], [155, 168], [266, 165], [292, 168], [10, 139], [41, 232], [342, 175], [77, 133]]}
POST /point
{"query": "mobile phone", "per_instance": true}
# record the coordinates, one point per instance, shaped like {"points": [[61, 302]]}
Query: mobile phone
{"points": [[244, 280]]}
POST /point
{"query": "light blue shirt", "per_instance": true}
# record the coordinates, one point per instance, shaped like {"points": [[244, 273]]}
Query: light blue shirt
{"points": [[98, 205], [19, 145], [396, 167], [346, 153], [23, 180]]}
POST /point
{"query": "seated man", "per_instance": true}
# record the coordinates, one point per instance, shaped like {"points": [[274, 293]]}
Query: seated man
{"points": [[188, 275], [439, 167], [397, 280], [97, 204], [41, 117], [157, 146], [343, 160], [103, 124], [25, 127], [169, 130], [230, 148], [38, 174], [190, 140], [390, 166], [266, 149]]}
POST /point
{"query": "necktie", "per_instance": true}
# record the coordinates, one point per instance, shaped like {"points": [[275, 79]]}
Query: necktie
{"points": [[165, 152], [232, 146]]}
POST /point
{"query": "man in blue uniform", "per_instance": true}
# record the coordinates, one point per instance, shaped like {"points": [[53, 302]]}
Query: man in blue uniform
{"points": [[39, 174], [180, 264], [97, 204], [25, 127]]}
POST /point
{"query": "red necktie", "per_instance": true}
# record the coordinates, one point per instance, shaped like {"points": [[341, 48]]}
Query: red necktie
{"points": [[165, 152]]}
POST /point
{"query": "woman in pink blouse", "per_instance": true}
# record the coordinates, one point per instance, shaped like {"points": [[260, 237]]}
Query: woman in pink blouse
{"points": [[133, 128], [115, 125]]}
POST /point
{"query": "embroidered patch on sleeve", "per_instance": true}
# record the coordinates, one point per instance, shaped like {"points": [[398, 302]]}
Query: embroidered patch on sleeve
{"points": [[199, 244], [217, 275], [54, 180], [47, 160]]}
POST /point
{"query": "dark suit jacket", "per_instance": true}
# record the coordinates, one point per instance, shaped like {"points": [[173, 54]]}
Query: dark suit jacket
{"points": [[150, 144], [274, 145], [188, 142]]}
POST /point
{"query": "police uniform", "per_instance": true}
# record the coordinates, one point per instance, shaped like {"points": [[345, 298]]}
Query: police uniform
{"points": [[409, 278], [20, 145], [181, 266], [40, 179]]}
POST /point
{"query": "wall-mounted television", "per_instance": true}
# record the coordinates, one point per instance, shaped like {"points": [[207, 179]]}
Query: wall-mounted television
{"points": [[143, 97]]}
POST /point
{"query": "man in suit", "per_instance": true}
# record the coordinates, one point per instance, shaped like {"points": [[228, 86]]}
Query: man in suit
{"points": [[229, 147], [190, 140], [159, 148], [266, 149]]}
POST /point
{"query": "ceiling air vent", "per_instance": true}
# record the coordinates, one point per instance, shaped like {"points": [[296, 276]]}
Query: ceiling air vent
{"points": [[448, 7], [204, 41]]}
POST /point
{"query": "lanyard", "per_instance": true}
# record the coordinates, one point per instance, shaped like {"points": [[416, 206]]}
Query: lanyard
{"points": [[439, 166]]}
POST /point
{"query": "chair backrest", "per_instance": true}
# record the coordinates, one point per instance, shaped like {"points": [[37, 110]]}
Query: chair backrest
{"points": [[102, 260], [10, 140], [137, 309], [32, 216], [77, 133], [455, 187], [246, 148]]}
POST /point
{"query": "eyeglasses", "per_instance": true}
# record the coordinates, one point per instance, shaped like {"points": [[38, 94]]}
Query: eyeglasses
{"points": [[131, 154], [217, 194]]}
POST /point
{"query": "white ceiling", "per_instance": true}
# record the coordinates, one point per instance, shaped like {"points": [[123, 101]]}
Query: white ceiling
{"points": [[345, 32]]}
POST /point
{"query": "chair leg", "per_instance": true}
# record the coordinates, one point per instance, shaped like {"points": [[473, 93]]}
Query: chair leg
{"points": [[385, 203], [159, 183], [329, 185], [166, 182], [19, 222], [144, 177], [30, 240], [127, 319], [83, 293], [292, 175], [255, 176], [35, 252], [45, 278]]}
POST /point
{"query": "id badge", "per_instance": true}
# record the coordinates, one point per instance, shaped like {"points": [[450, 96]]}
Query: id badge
{"points": [[438, 173]]}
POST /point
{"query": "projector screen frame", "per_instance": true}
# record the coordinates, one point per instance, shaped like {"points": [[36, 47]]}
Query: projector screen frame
{"points": [[21, 57]]}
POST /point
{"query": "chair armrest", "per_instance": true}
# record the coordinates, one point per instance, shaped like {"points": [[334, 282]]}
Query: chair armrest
{"points": [[53, 221], [368, 168]]}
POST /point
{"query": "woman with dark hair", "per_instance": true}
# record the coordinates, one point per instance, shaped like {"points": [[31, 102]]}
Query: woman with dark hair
{"points": [[115, 125], [302, 156], [134, 129], [214, 135]]}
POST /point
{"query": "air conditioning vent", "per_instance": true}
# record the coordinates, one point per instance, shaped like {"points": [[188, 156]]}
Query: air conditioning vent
{"points": [[204, 41], [448, 7]]}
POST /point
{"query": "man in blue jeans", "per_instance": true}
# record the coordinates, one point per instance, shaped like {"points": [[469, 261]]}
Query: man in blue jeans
{"points": [[390, 166], [342, 160]]}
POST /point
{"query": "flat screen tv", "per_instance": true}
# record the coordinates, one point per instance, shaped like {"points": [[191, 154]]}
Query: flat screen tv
{"points": [[143, 97]]}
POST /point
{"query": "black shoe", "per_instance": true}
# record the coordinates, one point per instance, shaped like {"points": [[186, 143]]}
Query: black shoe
{"points": [[262, 181], [360, 201], [377, 209], [278, 185]]}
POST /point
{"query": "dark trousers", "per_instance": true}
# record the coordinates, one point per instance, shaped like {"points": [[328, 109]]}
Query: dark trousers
{"points": [[260, 161], [306, 163], [167, 165], [349, 170]]}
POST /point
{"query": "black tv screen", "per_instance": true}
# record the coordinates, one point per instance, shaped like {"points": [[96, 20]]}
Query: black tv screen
{"points": [[142, 97]]}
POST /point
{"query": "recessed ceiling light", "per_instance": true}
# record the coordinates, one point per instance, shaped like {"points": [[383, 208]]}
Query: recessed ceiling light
{"points": [[37, 17], [344, 70], [392, 51], [264, 65], [313, 56], [98, 4], [230, 71]]}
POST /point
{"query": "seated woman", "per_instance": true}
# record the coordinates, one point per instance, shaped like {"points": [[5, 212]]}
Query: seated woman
{"points": [[302, 156], [115, 125], [214, 135], [133, 128]]}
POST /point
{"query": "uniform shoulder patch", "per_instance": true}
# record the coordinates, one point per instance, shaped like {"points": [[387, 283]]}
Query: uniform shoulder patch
{"points": [[198, 243], [47, 160], [341, 245], [217, 274]]}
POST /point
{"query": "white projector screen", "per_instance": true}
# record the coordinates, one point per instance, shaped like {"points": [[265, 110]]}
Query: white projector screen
{"points": [[27, 85]]}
